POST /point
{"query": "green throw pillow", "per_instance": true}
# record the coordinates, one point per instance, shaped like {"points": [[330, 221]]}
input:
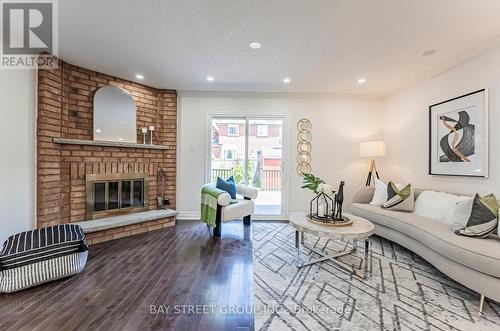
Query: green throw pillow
{"points": [[483, 218], [399, 200]]}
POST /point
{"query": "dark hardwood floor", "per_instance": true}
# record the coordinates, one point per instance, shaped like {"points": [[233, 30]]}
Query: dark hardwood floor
{"points": [[162, 280]]}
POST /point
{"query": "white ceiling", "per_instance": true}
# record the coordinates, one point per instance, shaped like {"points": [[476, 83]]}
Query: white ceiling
{"points": [[324, 46]]}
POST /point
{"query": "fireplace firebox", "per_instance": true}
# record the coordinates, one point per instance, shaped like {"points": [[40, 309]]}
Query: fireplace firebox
{"points": [[112, 194]]}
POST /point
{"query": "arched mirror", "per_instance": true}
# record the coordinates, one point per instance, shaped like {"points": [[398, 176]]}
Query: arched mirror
{"points": [[114, 115]]}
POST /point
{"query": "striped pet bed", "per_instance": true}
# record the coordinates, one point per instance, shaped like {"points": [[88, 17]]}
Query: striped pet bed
{"points": [[34, 257]]}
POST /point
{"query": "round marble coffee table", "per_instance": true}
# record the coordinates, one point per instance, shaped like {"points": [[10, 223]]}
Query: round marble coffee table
{"points": [[360, 229]]}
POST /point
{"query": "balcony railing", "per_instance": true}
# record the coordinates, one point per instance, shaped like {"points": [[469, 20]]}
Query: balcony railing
{"points": [[270, 180], [223, 173]]}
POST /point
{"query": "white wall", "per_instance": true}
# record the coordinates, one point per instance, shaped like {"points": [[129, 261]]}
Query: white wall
{"points": [[338, 127], [406, 126], [17, 146]]}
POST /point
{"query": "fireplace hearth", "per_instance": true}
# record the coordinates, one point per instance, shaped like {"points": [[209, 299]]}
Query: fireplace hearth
{"points": [[113, 194]]}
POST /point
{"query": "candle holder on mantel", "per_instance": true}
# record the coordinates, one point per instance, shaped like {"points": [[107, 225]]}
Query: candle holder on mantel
{"points": [[144, 132], [151, 130]]}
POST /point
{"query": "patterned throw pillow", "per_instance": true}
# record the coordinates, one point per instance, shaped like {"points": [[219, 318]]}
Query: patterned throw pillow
{"points": [[483, 219], [400, 200]]}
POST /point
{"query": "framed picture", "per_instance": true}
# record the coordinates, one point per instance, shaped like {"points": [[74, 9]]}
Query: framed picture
{"points": [[458, 136]]}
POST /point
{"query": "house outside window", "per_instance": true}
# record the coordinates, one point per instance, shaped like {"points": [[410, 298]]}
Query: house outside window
{"points": [[233, 130], [262, 131]]}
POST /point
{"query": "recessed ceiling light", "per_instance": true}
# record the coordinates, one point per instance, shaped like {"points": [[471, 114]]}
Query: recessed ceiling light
{"points": [[286, 80], [429, 52], [255, 45], [139, 76], [120, 139], [362, 80], [98, 130], [210, 78]]}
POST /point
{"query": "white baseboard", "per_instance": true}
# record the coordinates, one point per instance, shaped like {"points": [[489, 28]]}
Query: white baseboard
{"points": [[188, 216]]}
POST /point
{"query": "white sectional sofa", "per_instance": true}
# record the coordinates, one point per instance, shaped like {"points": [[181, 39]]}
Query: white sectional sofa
{"points": [[472, 262]]}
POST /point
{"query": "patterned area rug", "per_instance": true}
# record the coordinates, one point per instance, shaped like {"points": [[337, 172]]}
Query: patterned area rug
{"points": [[404, 293]]}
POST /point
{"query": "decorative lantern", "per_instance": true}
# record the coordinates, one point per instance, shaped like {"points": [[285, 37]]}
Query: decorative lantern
{"points": [[325, 210], [321, 208]]}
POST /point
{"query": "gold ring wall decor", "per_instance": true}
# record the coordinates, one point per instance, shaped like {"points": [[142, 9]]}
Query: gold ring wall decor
{"points": [[304, 125], [304, 147], [303, 157]]}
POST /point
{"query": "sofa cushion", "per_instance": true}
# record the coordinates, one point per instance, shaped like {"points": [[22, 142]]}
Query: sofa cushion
{"points": [[435, 205], [237, 210], [461, 212], [380, 194], [483, 219], [480, 254], [399, 199]]}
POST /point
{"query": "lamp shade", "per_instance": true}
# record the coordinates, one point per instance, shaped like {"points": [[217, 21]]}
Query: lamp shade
{"points": [[372, 148]]}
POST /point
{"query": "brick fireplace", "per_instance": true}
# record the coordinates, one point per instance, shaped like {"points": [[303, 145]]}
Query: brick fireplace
{"points": [[65, 111]]}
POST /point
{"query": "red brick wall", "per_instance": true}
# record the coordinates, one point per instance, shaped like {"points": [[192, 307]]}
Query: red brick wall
{"points": [[129, 230], [65, 110]]}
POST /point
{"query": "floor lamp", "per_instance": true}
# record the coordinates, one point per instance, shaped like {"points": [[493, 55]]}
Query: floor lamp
{"points": [[372, 149]]}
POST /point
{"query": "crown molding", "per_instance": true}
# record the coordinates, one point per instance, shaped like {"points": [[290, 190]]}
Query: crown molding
{"points": [[446, 66], [280, 95]]}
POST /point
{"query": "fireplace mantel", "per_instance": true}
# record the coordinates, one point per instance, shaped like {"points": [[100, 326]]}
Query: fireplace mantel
{"points": [[106, 143]]}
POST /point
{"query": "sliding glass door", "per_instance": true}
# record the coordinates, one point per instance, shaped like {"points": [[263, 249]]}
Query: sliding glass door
{"points": [[251, 150]]}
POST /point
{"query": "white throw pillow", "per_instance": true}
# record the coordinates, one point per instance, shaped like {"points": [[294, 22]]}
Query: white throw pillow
{"points": [[459, 216], [436, 205], [380, 195]]}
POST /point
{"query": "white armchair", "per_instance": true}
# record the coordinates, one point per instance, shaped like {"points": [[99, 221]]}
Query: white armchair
{"points": [[227, 211]]}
